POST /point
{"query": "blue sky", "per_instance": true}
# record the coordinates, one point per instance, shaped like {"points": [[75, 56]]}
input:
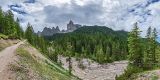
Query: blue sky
{"points": [[117, 14]]}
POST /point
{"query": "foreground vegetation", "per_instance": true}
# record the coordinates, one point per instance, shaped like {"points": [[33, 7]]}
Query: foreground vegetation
{"points": [[40, 70]]}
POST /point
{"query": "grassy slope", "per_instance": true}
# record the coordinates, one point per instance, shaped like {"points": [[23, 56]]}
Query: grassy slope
{"points": [[39, 70]]}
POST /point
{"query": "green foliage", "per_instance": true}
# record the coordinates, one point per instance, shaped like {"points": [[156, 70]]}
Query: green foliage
{"points": [[150, 52], [142, 52], [134, 46], [69, 59], [99, 43], [36, 40], [129, 73], [10, 27], [2, 36], [44, 71]]}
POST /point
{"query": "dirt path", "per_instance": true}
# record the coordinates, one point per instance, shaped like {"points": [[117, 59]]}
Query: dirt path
{"points": [[6, 57]]}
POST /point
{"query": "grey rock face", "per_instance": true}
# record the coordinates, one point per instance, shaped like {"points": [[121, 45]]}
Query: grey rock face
{"points": [[71, 26], [49, 32]]}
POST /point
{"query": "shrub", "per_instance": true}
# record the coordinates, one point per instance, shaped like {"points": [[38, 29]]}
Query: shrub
{"points": [[2, 36], [129, 72]]}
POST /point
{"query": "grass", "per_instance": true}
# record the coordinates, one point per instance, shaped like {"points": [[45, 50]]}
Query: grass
{"points": [[6, 43], [44, 71], [144, 75], [2, 36], [154, 77]]}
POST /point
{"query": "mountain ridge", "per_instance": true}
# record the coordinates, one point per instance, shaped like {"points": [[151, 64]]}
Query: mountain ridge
{"points": [[50, 31]]}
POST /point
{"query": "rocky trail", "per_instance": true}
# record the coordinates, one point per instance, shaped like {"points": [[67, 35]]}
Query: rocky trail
{"points": [[6, 57]]}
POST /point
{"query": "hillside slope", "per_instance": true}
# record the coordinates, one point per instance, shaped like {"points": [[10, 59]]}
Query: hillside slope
{"points": [[24, 62]]}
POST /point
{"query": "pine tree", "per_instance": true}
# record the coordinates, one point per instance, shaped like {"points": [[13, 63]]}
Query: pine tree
{"points": [[19, 32], [154, 44], [69, 60], [1, 19], [29, 34], [70, 65], [134, 45], [148, 59], [10, 26]]}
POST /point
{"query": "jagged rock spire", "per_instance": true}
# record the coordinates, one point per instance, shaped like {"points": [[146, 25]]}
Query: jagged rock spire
{"points": [[57, 28]]}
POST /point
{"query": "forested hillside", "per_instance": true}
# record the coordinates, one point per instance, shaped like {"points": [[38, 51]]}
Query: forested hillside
{"points": [[99, 43]]}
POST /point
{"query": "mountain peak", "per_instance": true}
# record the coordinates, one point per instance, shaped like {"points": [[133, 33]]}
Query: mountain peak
{"points": [[57, 28]]}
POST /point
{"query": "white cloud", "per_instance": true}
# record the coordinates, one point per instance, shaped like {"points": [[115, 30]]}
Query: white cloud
{"points": [[117, 14]]}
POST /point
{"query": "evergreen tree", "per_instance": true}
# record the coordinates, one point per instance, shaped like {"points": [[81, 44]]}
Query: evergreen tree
{"points": [[1, 19], [69, 59], [70, 65], [134, 45], [19, 30], [29, 34], [154, 44], [148, 59]]}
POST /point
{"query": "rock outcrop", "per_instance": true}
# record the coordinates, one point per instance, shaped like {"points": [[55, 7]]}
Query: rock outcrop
{"points": [[49, 32], [71, 26]]}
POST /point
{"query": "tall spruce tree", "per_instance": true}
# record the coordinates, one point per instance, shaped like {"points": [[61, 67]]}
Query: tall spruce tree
{"points": [[1, 19], [69, 59], [148, 59], [20, 33], [134, 45], [29, 33], [154, 44]]}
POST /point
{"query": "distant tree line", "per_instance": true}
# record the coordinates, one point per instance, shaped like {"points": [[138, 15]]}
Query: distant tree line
{"points": [[98, 43]]}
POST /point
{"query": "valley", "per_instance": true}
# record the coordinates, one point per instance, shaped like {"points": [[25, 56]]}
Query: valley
{"points": [[79, 52]]}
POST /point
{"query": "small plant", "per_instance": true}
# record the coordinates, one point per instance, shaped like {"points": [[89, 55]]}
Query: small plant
{"points": [[129, 72], [155, 78], [80, 65], [2, 36]]}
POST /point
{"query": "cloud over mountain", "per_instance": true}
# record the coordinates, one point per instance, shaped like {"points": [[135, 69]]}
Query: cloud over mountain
{"points": [[117, 14]]}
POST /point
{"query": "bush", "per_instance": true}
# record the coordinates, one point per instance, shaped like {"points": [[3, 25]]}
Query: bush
{"points": [[2, 36], [129, 72]]}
